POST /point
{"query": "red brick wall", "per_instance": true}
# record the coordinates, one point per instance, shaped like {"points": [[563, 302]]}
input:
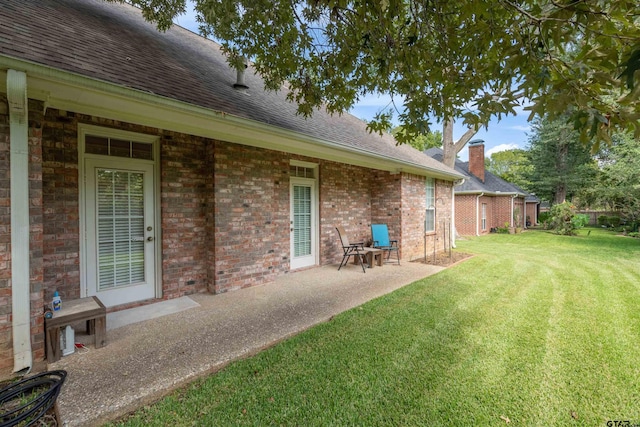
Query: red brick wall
{"points": [[345, 200], [501, 211], [251, 188], [60, 201], [186, 188], [476, 160], [36, 242], [414, 203], [519, 212], [532, 213], [386, 202], [466, 214]]}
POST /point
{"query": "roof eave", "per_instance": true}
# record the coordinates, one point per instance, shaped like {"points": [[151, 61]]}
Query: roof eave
{"points": [[490, 193], [73, 92]]}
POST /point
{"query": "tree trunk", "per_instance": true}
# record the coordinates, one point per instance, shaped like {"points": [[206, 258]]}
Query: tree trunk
{"points": [[451, 149], [560, 194]]}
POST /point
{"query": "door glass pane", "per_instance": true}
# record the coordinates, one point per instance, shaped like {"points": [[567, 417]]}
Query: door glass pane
{"points": [[301, 220], [120, 219]]}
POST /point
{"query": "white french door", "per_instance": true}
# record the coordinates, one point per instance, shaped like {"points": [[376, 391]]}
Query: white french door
{"points": [[304, 234], [120, 230]]}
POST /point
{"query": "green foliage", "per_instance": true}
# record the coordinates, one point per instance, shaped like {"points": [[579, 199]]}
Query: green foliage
{"points": [[618, 185], [513, 166], [562, 166], [437, 58], [564, 219], [603, 220], [421, 142], [503, 230], [544, 217], [580, 221], [613, 221]]}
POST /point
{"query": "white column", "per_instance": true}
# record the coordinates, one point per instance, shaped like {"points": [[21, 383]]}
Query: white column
{"points": [[19, 172]]}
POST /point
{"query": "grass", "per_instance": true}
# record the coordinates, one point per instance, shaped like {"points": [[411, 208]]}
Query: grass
{"points": [[536, 329]]}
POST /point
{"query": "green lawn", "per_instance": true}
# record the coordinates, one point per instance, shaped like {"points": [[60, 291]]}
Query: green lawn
{"points": [[538, 329]]}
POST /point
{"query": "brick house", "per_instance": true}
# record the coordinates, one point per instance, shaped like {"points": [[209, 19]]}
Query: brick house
{"points": [[484, 201], [134, 167]]}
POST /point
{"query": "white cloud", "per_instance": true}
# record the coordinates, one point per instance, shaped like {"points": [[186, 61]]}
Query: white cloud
{"points": [[501, 147], [521, 128]]}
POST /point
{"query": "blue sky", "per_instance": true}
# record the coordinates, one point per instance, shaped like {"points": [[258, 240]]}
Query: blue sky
{"points": [[508, 133]]}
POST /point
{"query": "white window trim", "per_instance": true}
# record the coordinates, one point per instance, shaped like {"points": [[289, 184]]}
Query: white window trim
{"points": [[484, 217], [430, 207], [315, 181], [83, 131]]}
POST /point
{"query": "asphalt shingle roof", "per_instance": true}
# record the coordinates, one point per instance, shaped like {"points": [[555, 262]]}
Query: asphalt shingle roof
{"points": [[111, 42], [472, 184]]}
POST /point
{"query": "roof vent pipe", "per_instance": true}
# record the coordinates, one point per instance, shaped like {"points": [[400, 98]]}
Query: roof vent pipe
{"points": [[240, 84]]}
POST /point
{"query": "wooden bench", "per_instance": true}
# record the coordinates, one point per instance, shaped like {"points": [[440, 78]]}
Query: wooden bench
{"points": [[88, 309]]}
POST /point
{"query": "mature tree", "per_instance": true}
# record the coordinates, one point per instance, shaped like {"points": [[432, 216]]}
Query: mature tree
{"points": [[513, 166], [618, 185], [450, 147], [562, 165], [453, 60], [420, 142]]}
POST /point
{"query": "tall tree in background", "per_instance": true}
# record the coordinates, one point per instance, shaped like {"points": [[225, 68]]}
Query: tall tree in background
{"points": [[466, 61], [618, 185], [421, 142], [562, 164], [513, 166]]}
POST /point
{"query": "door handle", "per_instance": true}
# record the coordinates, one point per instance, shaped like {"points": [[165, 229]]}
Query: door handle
{"points": [[150, 239]]}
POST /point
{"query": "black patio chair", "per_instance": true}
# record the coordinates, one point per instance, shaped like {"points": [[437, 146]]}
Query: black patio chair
{"points": [[349, 249]]}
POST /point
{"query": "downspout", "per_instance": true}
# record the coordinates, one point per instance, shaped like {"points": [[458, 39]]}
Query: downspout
{"points": [[19, 172], [478, 213], [513, 198]]}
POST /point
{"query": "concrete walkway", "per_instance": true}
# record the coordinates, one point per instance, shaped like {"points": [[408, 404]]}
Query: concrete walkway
{"points": [[144, 361]]}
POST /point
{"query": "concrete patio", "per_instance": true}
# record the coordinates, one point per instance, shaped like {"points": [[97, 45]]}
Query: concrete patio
{"points": [[151, 353]]}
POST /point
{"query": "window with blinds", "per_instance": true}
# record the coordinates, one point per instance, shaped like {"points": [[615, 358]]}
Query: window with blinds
{"points": [[430, 219], [120, 220], [301, 220]]}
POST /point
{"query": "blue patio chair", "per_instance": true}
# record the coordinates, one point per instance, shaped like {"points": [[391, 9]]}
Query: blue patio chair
{"points": [[380, 237], [355, 250]]}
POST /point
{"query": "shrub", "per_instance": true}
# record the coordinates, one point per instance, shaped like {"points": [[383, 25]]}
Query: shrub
{"points": [[544, 217], [563, 219], [580, 220], [603, 221], [614, 221]]}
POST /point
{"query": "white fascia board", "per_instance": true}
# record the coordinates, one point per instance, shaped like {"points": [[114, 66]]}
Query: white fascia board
{"points": [[488, 193], [72, 92]]}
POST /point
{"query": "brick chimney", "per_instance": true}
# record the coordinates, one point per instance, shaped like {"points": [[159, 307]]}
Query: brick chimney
{"points": [[476, 158]]}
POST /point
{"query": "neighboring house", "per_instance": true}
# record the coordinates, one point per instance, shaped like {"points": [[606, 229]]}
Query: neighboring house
{"points": [[134, 168], [484, 201]]}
